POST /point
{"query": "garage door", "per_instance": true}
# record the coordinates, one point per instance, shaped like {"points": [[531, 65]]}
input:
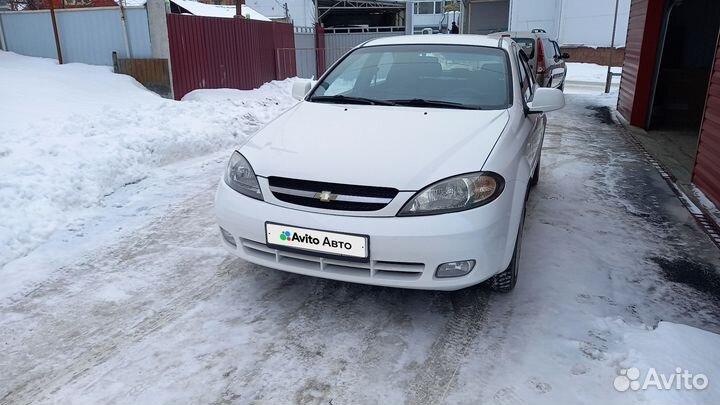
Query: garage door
{"points": [[485, 17], [640, 53], [707, 163]]}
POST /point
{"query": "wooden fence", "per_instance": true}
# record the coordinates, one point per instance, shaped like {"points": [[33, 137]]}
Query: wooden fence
{"points": [[151, 73]]}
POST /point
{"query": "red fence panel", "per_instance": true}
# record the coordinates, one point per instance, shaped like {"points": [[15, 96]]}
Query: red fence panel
{"points": [[211, 52], [320, 50]]}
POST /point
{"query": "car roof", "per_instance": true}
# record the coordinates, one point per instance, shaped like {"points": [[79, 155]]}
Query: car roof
{"points": [[520, 34], [447, 39]]}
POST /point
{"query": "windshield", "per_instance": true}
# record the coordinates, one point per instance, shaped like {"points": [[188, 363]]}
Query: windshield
{"points": [[436, 76], [528, 45]]}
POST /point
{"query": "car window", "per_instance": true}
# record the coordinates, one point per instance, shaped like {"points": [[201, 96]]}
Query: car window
{"points": [[527, 45], [345, 81], [557, 48], [471, 76], [549, 49]]}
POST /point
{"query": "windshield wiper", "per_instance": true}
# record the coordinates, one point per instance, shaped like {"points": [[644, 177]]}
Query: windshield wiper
{"points": [[421, 102], [349, 100]]}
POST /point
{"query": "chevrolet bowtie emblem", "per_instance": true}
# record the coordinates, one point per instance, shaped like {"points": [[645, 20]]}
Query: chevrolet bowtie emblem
{"points": [[325, 196]]}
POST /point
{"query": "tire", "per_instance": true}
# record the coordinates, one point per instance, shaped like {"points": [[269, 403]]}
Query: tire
{"points": [[536, 173], [505, 282]]}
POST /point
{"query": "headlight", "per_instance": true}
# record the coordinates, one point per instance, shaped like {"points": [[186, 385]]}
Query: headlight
{"points": [[241, 177], [457, 193]]}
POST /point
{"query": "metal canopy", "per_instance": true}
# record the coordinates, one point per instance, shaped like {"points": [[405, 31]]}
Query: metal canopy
{"points": [[349, 4]]}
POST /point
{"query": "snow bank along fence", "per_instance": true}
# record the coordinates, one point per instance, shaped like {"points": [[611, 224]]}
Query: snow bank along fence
{"points": [[211, 52], [87, 35]]}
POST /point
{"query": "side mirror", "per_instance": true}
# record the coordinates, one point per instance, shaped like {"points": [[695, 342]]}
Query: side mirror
{"points": [[565, 55], [301, 87], [545, 100]]}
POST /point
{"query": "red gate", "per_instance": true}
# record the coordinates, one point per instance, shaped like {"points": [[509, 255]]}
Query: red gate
{"points": [[239, 53]]}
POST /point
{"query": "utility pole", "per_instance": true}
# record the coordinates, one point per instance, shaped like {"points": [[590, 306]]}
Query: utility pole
{"points": [[608, 78], [238, 8], [123, 21], [55, 31], [317, 12]]}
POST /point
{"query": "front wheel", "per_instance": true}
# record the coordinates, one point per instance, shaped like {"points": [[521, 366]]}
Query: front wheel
{"points": [[505, 282]]}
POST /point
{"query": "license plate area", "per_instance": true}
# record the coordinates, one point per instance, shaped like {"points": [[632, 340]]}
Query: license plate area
{"points": [[317, 242]]}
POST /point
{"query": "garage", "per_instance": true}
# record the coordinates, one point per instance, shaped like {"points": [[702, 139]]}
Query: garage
{"points": [[487, 16], [668, 90]]}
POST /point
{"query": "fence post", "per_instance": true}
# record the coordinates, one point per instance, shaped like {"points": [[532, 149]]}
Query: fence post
{"points": [[116, 64], [126, 37], [277, 63], [319, 50], [55, 31], [3, 46]]}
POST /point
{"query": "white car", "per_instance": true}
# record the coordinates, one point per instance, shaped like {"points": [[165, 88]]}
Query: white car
{"points": [[407, 164]]}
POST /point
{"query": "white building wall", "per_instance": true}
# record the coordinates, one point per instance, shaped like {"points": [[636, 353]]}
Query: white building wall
{"points": [[427, 19], [572, 22], [526, 15]]}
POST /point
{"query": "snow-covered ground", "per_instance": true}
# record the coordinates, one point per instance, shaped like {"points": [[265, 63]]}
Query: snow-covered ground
{"points": [[127, 297], [71, 135], [588, 78], [588, 72]]}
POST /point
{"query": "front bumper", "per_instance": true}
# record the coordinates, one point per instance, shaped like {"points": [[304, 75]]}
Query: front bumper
{"points": [[404, 251]]}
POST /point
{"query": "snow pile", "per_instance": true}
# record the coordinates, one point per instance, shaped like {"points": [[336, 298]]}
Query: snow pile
{"points": [[666, 358], [73, 134], [588, 72]]}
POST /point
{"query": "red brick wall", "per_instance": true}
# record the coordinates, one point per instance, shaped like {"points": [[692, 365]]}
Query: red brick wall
{"points": [[599, 56]]}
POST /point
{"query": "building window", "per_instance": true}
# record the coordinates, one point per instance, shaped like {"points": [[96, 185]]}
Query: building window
{"points": [[428, 7]]}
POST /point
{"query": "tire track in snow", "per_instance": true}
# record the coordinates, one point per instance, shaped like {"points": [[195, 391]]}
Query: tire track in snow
{"points": [[437, 373], [71, 338]]}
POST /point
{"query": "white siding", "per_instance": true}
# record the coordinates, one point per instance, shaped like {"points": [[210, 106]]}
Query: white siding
{"points": [[87, 35], [577, 22]]}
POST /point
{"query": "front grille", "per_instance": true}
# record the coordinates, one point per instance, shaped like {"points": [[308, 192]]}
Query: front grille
{"points": [[344, 197], [377, 269]]}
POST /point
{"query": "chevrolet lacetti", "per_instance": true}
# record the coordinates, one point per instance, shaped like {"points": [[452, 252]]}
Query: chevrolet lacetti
{"points": [[407, 164]]}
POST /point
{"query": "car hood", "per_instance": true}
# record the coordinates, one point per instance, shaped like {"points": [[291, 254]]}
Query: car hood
{"points": [[401, 147]]}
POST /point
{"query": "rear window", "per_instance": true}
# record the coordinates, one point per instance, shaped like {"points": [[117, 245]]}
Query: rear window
{"points": [[549, 48], [528, 45]]}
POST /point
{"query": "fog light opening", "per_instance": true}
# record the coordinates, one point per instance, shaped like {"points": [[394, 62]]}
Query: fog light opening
{"points": [[227, 236], [455, 269]]}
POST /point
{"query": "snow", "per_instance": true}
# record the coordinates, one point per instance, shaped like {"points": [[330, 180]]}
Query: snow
{"points": [[588, 72], [74, 134], [128, 296], [671, 346], [211, 10], [709, 206]]}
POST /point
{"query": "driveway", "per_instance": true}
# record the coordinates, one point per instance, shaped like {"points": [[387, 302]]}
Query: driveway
{"points": [[163, 315]]}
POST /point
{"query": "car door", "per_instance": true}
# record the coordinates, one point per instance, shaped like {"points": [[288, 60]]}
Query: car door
{"points": [[537, 121], [559, 69], [561, 62]]}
